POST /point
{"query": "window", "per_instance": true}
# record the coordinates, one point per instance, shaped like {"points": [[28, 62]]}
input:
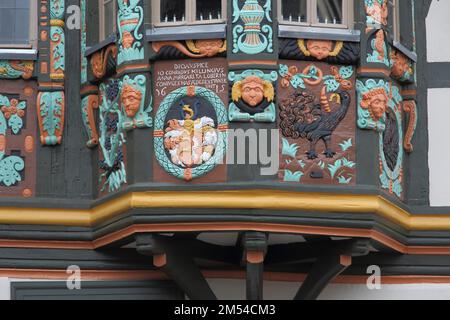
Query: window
{"points": [[108, 10], [402, 23], [18, 23], [318, 13], [180, 12]]}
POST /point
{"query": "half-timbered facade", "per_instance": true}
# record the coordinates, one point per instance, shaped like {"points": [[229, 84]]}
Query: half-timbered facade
{"points": [[223, 149]]}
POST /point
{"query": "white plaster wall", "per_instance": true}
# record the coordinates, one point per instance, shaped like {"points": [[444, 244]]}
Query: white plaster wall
{"points": [[5, 292], [439, 150], [438, 27], [235, 289]]}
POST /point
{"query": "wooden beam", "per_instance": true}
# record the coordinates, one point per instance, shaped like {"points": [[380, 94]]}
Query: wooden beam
{"points": [[255, 248], [329, 264], [306, 252], [171, 257]]}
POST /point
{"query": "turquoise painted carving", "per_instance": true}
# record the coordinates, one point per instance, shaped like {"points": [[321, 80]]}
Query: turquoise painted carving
{"points": [[57, 9], [376, 12], [379, 50], [51, 117], [373, 98], [340, 170], [195, 143], [111, 139], [132, 101], [129, 20], [11, 112], [252, 38], [253, 96], [391, 146], [57, 39], [84, 62], [16, 69], [88, 104]]}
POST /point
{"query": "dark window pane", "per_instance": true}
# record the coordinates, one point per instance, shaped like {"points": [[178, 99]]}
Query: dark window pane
{"points": [[14, 21], [209, 9], [329, 11], [110, 18], [294, 10], [173, 10]]}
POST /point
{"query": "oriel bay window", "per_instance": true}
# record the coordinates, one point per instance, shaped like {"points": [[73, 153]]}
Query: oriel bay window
{"points": [[18, 23], [179, 12], [318, 13]]}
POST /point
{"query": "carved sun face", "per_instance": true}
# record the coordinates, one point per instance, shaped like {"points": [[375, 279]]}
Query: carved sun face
{"points": [[319, 49], [253, 92]]}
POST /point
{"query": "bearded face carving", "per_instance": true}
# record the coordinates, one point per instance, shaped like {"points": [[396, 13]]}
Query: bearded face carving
{"points": [[376, 102], [320, 49], [131, 100]]}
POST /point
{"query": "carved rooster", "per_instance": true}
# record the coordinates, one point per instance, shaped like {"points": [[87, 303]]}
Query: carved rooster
{"points": [[302, 117]]}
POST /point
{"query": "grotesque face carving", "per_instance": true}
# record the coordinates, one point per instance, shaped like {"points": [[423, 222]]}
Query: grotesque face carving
{"points": [[376, 102], [127, 40], [253, 91], [400, 66], [320, 49], [209, 48], [131, 100]]}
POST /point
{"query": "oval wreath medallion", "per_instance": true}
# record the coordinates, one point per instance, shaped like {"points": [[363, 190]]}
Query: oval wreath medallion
{"points": [[192, 146]]}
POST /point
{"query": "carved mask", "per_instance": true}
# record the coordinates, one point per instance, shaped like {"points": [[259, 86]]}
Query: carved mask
{"points": [[253, 91], [131, 100]]}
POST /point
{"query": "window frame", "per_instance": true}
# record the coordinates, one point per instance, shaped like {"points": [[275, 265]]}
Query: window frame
{"points": [[32, 31], [311, 16], [396, 26], [101, 18], [190, 15]]}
